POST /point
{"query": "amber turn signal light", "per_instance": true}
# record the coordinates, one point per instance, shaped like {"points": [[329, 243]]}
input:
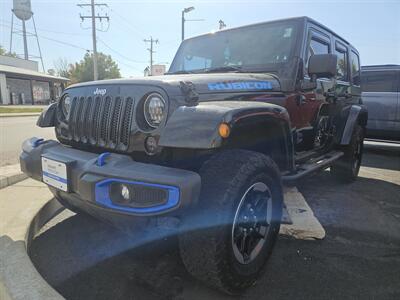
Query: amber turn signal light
{"points": [[224, 130]]}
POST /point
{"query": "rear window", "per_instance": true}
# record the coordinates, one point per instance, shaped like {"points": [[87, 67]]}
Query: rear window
{"points": [[379, 81]]}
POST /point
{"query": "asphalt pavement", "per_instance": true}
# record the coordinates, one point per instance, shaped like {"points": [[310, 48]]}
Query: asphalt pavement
{"points": [[359, 258], [13, 131]]}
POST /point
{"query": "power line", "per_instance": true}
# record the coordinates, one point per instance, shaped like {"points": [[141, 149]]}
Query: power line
{"points": [[118, 53], [46, 30], [65, 43], [127, 22], [55, 40], [129, 66]]}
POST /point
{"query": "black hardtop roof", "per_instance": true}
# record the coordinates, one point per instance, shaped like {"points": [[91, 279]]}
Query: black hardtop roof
{"points": [[302, 19], [380, 67]]}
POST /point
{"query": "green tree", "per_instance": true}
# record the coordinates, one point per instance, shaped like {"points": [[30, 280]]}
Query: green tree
{"points": [[83, 71], [3, 51], [62, 67]]}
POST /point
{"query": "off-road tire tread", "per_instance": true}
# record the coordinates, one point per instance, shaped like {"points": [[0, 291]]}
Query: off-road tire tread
{"points": [[342, 169], [202, 253]]}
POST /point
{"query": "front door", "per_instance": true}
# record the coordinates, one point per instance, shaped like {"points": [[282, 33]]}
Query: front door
{"points": [[311, 102]]}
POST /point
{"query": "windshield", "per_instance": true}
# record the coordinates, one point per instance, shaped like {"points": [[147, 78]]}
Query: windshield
{"points": [[262, 47]]}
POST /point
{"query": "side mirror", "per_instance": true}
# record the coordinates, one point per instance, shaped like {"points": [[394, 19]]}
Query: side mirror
{"points": [[322, 66]]}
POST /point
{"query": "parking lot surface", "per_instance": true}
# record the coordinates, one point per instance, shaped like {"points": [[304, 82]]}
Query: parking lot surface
{"points": [[359, 258], [13, 132]]}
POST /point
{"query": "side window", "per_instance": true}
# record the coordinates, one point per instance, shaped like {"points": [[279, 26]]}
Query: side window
{"points": [[317, 46], [355, 68], [379, 81], [341, 68]]}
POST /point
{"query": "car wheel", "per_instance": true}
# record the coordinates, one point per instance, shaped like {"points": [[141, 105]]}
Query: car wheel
{"points": [[229, 236], [347, 167]]}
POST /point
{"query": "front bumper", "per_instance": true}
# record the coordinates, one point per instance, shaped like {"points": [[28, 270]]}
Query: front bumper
{"points": [[88, 180]]}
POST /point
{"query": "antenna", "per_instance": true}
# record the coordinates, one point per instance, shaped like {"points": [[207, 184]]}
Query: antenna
{"points": [[222, 24]]}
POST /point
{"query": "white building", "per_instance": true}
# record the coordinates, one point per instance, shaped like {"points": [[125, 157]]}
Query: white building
{"points": [[22, 83], [155, 71]]}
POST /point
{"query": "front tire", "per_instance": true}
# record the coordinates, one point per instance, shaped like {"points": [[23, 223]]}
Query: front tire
{"points": [[347, 167], [228, 238]]}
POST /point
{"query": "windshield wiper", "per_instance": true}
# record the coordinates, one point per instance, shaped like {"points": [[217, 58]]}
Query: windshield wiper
{"points": [[210, 70], [223, 69], [180, 72]]}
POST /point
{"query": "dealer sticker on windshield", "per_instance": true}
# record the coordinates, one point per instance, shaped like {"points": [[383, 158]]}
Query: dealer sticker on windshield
{"points": [[55, 173]]}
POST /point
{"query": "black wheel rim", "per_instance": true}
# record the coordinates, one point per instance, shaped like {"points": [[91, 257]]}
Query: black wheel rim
{"points": [[252, 222]]}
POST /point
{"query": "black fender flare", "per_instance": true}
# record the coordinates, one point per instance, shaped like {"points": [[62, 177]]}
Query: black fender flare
{"points": [[196, 127], [358, 114], [48, 116]]}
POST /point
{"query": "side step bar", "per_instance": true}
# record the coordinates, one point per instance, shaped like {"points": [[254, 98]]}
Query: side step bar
{"points": [[315, 165]]}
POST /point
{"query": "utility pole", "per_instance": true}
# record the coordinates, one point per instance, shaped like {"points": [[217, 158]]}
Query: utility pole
{"points": [[151, 41], [93, 17]]}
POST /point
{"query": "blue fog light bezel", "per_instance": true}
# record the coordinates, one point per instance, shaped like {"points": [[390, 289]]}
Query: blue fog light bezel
{"points": [[102, 194]]}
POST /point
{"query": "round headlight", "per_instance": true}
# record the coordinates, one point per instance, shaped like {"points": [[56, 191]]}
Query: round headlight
{"points": [[66, 106], [154, 109]]}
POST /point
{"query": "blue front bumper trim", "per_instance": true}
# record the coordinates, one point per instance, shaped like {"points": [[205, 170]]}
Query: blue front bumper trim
{"points": [[102, 194]]}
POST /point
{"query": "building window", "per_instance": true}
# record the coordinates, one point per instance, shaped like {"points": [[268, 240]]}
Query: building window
{"points": [[41, 92]]}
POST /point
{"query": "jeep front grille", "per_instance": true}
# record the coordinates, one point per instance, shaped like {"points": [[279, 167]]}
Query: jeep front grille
{"points": [[102, 121]]}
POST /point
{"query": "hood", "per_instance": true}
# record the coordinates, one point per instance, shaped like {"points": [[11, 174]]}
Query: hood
{"points": [[209, 83], [97, 107]]}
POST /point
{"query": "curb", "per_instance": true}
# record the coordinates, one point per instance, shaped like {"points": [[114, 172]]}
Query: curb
{"points": [[19, 278], [6, 181], [10, 175], [13, 115]]}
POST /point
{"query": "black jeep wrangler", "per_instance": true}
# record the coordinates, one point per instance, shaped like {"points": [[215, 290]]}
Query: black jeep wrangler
{"points": [[210, 143]]}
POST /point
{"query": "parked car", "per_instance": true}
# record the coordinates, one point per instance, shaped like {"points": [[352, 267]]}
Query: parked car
{"points": [[381, 94], [209, 143]]}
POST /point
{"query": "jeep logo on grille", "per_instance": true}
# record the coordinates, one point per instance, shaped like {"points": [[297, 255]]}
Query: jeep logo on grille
{"points": [[100, 92]]}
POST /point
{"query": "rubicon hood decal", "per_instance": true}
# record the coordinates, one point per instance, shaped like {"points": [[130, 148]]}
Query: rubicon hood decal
{"points": [[240, 85]]}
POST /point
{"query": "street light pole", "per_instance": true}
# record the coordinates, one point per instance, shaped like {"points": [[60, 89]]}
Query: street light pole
{"points": [[183, 25], [185, 10]]}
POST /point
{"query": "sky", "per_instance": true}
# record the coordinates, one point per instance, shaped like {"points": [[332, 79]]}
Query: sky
{"points": [[373, 27]]}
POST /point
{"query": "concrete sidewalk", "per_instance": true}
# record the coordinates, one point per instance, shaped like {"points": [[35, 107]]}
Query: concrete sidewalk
{"points": [[19, 206]]}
